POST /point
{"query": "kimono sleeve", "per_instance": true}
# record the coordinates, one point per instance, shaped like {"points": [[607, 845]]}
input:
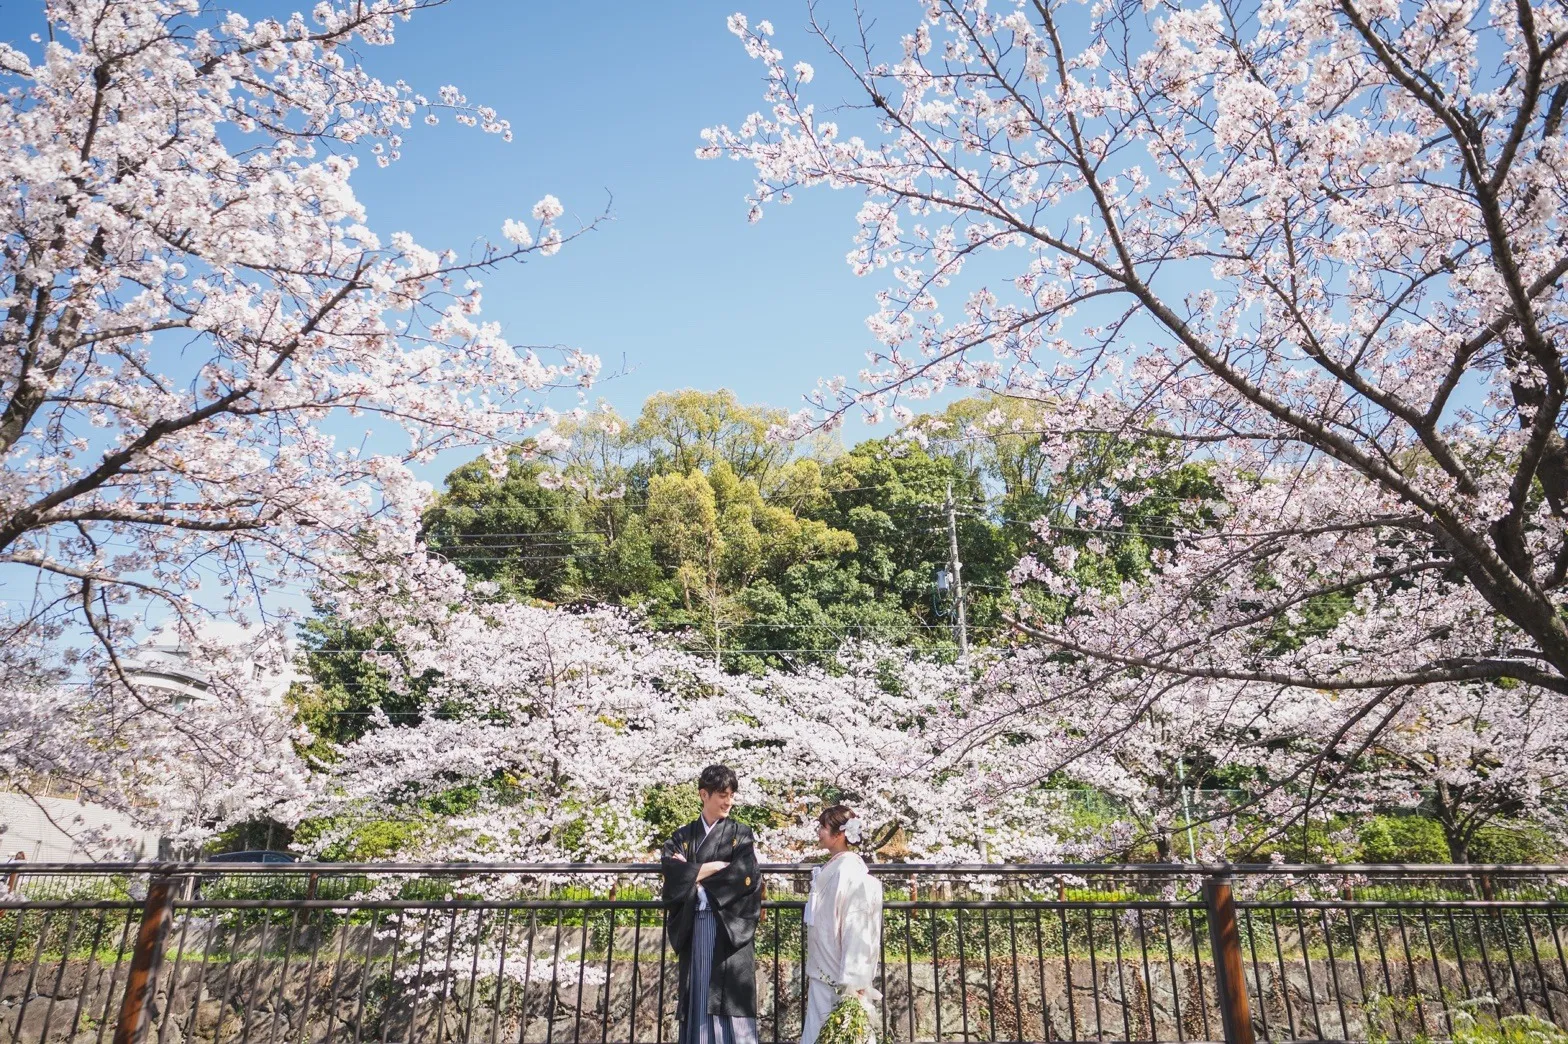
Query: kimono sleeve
{"points": [[680, 877], [739, 885], [860, 934]]}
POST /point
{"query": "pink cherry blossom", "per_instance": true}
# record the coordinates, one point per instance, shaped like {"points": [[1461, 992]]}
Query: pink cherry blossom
{"points": [[198, 310], [1316, 248]]}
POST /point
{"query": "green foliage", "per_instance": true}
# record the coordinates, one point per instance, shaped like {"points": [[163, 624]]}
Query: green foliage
{"points": [[1314, 618], [1402, 839], [512, 531], [250, 836], [359, 840], [671, 805], [1513, 841], [1322, 841], [687, 430], [1509, 1029], [1094, 895], [1471, 1024], [345, 691], [760, 557], [755, 815]]}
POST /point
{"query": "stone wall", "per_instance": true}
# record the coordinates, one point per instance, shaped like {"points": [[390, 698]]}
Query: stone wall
{"points": [[251, 1001]]}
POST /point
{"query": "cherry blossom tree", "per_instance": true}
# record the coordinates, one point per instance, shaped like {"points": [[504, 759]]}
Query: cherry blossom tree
{"points": [[554, 724], [1305, 760], [883, 730], [196, 309], [227, 758], [1477, 754], [1316, 243], [544, 733]]}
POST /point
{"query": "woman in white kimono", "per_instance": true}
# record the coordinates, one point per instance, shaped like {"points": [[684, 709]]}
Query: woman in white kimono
{"points": [[843, 923]]}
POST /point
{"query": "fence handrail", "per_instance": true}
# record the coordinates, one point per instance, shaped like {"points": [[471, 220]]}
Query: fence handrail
{"points": [[1204, 948], [929, 869]]}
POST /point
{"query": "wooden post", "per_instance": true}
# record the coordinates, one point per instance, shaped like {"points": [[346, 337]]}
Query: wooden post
{"points": [[1225, 942], [15, 879], [142, 981]]}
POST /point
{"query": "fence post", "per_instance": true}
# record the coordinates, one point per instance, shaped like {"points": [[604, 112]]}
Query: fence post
{"points": [[1225, 942], [142, 981]]}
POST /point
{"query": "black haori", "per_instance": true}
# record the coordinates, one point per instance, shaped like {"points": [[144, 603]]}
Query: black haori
{"points": [[716, 946]]}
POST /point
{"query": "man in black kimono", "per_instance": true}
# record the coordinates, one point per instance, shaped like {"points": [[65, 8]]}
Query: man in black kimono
{"points": [[712, 902]]}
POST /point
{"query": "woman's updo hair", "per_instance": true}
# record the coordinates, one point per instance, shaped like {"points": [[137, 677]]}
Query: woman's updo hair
{"points": [[835, 816]]}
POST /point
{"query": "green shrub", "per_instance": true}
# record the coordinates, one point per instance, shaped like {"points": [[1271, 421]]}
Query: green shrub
{"points": [[367, 840], [1470, 1024], [1513, 841], [670, 806], [1402, 839], [1328, 842]]}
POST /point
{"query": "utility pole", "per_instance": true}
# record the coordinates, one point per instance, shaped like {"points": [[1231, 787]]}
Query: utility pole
{"points": [[1186, 809], [960, 621]]}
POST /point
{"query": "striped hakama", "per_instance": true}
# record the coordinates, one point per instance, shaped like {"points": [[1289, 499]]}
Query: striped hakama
{"points": [[697, 1026]]}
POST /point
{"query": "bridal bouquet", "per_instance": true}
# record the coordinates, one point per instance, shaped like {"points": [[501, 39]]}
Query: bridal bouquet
{"points": [[848, 1023]]}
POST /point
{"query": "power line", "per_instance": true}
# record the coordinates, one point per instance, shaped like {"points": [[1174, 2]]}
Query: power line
{"points": [[523, 558], [544, 532], [510, 543], [961, 623]]}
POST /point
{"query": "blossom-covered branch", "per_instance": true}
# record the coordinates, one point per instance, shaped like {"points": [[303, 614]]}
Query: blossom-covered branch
{"points": [[1320, 244], [194, 301]]}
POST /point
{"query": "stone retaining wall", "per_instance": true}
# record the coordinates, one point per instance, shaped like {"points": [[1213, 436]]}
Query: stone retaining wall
{"points": [[249, 1000]]}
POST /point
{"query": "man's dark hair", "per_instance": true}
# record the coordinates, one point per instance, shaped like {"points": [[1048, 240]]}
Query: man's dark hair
{"points": [[717, 779]]}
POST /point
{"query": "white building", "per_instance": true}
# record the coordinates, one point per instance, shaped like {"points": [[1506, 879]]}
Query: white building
{"points": [[33, 827], [168, 667]]}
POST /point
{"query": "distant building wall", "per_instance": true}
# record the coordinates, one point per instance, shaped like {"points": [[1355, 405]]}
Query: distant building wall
{"points": [[24, 827]]}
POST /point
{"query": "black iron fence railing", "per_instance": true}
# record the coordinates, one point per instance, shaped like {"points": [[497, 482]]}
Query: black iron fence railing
{"points": [[515, 954]]}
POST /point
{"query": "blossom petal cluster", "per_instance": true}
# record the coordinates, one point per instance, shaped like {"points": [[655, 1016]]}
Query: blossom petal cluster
{"points": [[204, 334], [1317, 249]]}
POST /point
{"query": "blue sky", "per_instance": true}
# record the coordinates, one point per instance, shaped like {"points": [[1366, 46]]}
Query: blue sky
{"points": [[677, 287]]}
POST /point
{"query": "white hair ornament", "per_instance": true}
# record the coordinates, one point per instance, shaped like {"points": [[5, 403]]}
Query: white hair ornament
{"points": [[852, 830]]}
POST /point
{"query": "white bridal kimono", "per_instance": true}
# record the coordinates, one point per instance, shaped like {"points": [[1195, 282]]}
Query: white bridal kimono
{"points": [[843, 937]]}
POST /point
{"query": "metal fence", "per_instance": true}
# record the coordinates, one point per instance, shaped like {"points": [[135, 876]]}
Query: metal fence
{"points": [[513, 954]]}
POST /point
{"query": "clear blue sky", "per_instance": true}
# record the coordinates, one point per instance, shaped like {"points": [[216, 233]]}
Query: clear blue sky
{"points": [[678, 286]]}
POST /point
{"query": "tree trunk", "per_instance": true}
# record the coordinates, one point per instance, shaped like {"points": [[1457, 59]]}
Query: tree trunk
{"points": [[1454, 834], [1458, 845]]}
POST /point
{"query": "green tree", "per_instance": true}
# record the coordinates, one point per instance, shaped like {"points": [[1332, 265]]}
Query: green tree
{"points": [[889, 494], [345, 689], [687, 430], [683, 520], [511, 530]]}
